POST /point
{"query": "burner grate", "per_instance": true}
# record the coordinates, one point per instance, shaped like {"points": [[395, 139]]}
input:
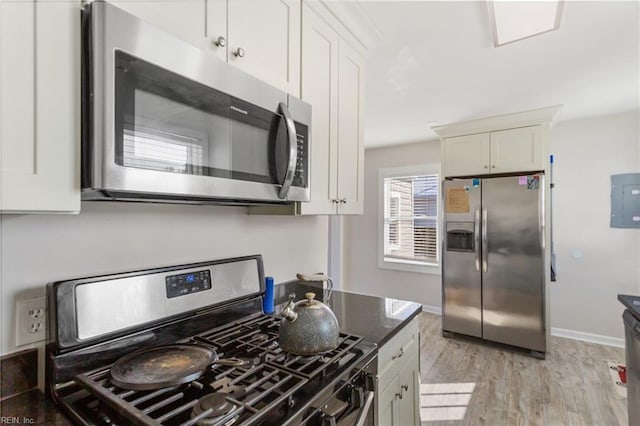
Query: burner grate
{"points": [[253, 393], [269, 390], [259, 335]]}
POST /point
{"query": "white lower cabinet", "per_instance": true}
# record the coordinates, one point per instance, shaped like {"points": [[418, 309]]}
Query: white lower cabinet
{"points": [[40, 106], [398, 396]]}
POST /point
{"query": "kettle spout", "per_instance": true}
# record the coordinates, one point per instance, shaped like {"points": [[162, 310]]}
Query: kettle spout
{"points": [[287, 311]]}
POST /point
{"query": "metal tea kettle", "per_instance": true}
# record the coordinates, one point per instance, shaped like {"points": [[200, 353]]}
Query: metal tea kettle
{"points": [[308, 327]]}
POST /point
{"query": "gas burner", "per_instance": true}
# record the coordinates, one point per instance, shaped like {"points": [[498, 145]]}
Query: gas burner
{"points": [[219, 407]]}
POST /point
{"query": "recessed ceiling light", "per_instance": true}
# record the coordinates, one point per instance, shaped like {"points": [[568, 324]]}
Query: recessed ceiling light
{"points": [[516, 20]]}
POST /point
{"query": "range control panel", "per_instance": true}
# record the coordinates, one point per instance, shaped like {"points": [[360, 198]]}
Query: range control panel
{"points": [[192, 282]]}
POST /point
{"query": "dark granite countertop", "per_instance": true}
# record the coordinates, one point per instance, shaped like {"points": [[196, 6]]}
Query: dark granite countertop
{"points": [[374, 318], [377, 319], [32, 408], [632, 303]]}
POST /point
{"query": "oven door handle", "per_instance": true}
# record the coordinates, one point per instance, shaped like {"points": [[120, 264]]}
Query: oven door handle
{"points": [[362, 416], [292, 143]]}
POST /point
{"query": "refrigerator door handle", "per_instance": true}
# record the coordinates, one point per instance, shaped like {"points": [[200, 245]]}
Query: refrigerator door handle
{"points": [[476, 237], [485, 246]]}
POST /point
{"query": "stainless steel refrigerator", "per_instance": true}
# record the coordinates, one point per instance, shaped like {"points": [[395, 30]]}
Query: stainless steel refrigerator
{"points": [[493, 276]]}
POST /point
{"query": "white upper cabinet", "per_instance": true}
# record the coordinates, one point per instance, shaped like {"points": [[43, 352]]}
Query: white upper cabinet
{"points": [[264, 40], [504, 151], [40, 106], [320, 45], [467, 155], [261, 37], [350, 131], [510, 143], [333, 83], [516, 150]]}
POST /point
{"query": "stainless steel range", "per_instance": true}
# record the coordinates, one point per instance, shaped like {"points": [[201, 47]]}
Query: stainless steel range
{"points": [[189, 345]]}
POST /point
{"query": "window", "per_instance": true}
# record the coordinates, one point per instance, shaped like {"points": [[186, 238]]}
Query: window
{"points": [[409, 205]]}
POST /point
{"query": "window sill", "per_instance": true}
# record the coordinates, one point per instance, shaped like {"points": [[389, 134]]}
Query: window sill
{"points": [[408, 266]]}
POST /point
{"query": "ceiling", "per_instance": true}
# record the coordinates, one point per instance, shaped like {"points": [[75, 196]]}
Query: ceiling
{"points": [[435, 63]]}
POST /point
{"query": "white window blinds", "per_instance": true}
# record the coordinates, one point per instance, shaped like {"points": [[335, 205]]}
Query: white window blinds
{"points": [[411, 218]]}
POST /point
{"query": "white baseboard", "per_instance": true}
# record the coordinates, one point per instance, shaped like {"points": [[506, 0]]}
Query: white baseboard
{"points": [[588, 337], [559, 332], [432, 309]]}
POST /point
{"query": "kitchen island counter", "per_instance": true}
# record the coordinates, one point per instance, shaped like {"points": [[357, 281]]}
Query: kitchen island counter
{"points": [[377, 319]]}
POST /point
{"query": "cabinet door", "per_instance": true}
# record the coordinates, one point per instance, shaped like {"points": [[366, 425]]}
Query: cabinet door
{"points": [[350, 131], [268, 32], [388, 410], [467, 155], [40, 106], [216, 28], [183, 18], [319, 88], [409, 404], [517, 150]]}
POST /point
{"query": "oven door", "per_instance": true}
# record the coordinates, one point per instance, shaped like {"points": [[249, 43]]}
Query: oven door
{"points": [[171, 121]]}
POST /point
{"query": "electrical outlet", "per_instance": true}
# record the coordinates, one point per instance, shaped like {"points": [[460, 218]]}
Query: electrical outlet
{"points": [[30, 320]]}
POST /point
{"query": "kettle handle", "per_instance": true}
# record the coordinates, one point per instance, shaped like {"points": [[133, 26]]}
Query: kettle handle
{"points": [[318, 277]]}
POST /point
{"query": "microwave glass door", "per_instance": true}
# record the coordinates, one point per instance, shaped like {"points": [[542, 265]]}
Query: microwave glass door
{"points": [[168, 123]]}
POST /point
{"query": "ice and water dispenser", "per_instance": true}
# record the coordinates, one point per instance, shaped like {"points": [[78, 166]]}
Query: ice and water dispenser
{"points": [[460, 236]]}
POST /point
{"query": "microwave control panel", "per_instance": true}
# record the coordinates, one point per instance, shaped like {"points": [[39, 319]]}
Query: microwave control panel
{"points": [[300, 178]]}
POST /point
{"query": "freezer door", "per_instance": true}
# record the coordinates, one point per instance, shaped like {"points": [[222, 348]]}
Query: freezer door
{"points": [[461, 277], [513, 261]]}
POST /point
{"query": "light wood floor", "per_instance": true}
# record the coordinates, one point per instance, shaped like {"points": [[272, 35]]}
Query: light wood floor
{"points": [[571, 387]]}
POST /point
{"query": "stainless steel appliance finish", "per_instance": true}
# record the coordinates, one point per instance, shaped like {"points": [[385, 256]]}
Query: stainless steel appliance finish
{"points": [[272, 387], [139, 299], [493, 260], [165, 121]]}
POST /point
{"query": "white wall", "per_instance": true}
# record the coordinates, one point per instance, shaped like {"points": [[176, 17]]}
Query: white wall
{"points": [[115, 237], [360, 259], [595, 262]]}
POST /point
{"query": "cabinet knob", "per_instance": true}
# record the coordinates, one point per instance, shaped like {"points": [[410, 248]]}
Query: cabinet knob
{"points": [[220, 42], [486, 167], [399, 395], [343, 201], [239, 52], [405, 387], [493, 167], [335, 201]]}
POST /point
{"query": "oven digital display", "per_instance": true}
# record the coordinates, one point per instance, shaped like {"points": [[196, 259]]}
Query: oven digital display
{"points": [[192, 282]]}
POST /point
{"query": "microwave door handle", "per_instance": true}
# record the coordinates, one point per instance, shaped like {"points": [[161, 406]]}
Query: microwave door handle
{"points": [[292, 141]]}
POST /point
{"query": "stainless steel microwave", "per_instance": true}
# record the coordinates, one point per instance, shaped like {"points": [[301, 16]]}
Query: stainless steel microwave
{"points": [[165, 121]]}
